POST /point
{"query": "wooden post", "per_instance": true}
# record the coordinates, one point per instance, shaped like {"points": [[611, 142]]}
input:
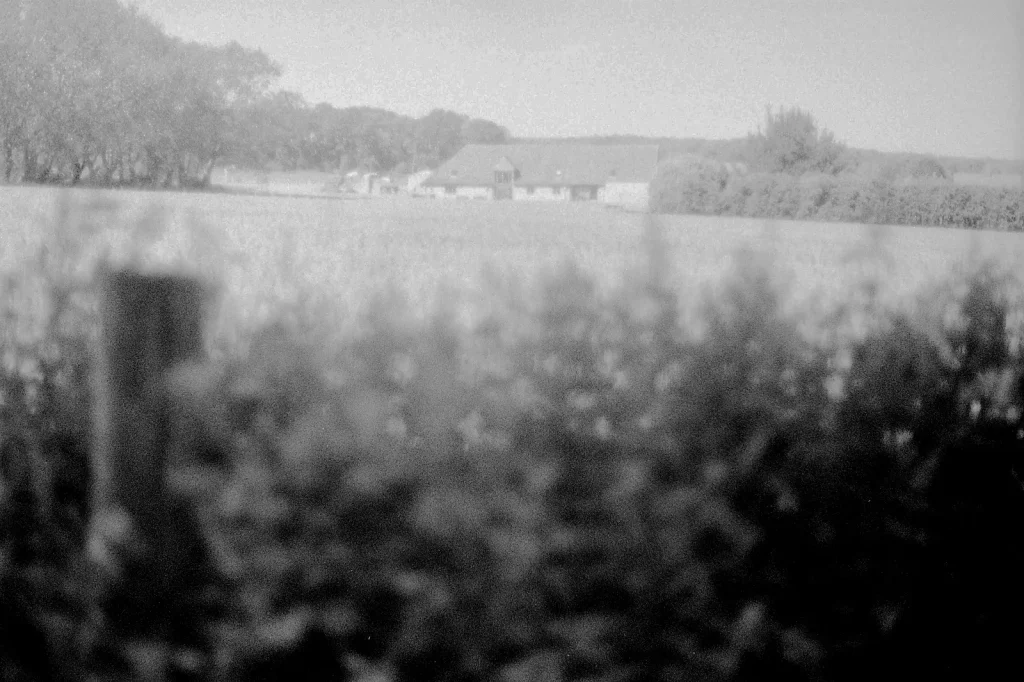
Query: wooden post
{"points": [[149, 323]]}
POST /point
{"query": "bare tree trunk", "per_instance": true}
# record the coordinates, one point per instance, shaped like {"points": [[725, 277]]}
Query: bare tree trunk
{"points": [[102, 161], [8, 161], [94, 165], [15, 172], [208, 172], [76, 171], [28, 163], [127, 170], [194, 170]]}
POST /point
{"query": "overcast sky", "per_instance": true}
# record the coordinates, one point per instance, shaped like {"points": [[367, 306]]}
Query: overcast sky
{"points": [[936, 76]]}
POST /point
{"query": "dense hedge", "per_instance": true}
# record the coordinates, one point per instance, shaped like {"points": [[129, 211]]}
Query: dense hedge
{"points": [[577, 490], [836, 199]]}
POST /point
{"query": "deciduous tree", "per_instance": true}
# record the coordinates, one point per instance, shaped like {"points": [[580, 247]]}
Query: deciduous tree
{"points": [[791, 142]]}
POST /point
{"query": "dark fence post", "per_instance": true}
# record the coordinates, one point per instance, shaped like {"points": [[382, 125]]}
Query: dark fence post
{"points": [[149, 323]]}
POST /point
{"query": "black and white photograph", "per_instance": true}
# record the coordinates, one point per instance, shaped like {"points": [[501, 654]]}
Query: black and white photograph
{"points": [[511, 341]]}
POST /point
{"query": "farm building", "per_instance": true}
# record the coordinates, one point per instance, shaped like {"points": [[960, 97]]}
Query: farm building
{"points": [[387, 185], [415, 181], [617, 175], [372, 184]]}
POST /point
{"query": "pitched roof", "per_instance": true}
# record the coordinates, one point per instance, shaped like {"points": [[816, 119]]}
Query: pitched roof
{"points": [[549, 164]]}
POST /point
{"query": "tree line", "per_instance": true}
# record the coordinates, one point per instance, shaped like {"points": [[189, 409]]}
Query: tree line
{"points": [[284, 132], [93, 91]]}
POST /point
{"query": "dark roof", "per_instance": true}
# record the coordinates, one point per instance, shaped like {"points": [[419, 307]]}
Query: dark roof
{"points": [[549, 164]]}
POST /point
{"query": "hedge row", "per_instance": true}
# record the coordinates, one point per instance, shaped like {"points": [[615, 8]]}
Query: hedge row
{"points": [[705, 188], [575, 491]]}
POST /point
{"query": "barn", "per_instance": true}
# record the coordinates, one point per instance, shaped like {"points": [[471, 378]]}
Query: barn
{"points": [[618, 175]]}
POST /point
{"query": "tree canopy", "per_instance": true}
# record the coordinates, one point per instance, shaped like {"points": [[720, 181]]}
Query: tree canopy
{"points": [[92, 90], [791, 142]]}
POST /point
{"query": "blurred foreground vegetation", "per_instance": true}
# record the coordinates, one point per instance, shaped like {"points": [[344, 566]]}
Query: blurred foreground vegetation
{"points": [[577, 488]]}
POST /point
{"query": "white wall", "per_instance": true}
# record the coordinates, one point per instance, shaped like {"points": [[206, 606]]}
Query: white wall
{"points": [[627, 194], [474, 192], [462, 192], [616, 194], [415, 180], [540, 194]]}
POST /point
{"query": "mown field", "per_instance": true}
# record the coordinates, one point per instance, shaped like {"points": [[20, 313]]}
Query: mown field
{"points": [[263, 249]]}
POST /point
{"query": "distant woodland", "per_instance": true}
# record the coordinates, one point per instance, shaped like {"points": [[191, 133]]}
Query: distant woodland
{"points": [[93, 91]]}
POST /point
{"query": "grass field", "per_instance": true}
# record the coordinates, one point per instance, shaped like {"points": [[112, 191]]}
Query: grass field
{"points": [[262, 248]]}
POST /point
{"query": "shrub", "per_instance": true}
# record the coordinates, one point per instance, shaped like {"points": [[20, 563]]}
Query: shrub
{"points": [[792, 143], [925, 168], [784, 198], [46, 580], [760, 187], [621, 500], [733, 199], [847, 198], [815, 192], [688, 184], [577, 489]]}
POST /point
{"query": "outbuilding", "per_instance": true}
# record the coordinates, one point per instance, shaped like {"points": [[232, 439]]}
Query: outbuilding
{"points": [[618, 175]]}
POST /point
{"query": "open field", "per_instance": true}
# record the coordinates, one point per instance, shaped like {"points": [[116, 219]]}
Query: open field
{"points": [[261, 248]]}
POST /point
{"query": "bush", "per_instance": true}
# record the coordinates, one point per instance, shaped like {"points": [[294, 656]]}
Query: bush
{"points": [[815, 193], [792, 143], [757, 187], [47, 584], [733, 199], [784, 199], [579, 490], [688, 184], [928, 168], [621, 500], [846, 198]]}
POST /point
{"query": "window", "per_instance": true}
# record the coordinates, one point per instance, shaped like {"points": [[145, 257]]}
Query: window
{"points": [[612, 173], [502, 177], [529, 190], [455, 173], [450, 189]]}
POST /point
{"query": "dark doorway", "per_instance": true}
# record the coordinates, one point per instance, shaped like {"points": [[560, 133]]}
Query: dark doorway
{"points": [[584, 193], [503, 181]]}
